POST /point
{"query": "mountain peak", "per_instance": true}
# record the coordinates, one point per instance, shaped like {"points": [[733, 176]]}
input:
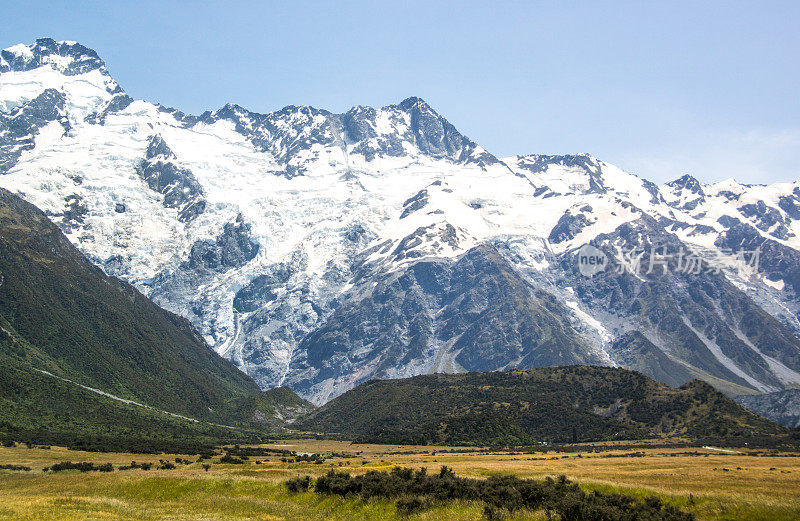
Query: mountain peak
{"points": [[230, 109], [687, 182], [415, 103], [412, 100], [68, 57]]}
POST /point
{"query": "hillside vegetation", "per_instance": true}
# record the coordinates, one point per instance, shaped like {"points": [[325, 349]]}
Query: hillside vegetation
{"points": [[555, 404]]}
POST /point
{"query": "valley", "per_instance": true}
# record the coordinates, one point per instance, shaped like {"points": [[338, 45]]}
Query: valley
{"points": [[365, 314], [714, 484]]}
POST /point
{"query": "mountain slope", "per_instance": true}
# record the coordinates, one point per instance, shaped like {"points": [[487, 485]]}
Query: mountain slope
{"points": [[41, 408], [318, 250], [781, 406], [65, 324], [558, 404], [277, 407], [473, 314]]}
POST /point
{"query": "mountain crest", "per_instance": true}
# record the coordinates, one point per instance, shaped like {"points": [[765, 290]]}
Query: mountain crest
{"points": [[392, 131], [69, 58], [348, 219]]}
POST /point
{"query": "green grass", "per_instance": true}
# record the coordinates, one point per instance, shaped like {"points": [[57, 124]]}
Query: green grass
{"points": [[251, 491], [213, 497]]}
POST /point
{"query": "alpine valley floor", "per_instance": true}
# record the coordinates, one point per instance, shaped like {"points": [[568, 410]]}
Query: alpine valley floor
{"points": [[712, 483]]}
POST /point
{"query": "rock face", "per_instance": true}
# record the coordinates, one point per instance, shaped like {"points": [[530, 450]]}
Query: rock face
{"points": [[781, 406], [472, 314], [180, 189], [319, 250], [19, 126]]}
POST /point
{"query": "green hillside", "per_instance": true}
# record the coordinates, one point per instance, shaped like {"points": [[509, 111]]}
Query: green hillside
{"points": [[275, 407], [61, 314], [38, 408], [555, 404]]}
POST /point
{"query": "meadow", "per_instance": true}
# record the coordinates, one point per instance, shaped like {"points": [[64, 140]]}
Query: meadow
{"points": [[712, 483]]}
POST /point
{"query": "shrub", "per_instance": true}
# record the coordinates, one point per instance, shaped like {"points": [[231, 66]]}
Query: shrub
{"points": [[134, 465], [166, 465], [227, 458], [417, 490], [83, 466], [15, 467], [299, 484]]}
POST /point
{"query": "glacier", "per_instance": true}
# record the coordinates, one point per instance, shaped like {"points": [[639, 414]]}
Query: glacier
{"points": [[319, 250]]}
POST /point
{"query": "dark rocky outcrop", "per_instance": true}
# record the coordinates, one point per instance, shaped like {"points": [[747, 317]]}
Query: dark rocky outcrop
{"points": [[177, 184], [233, 248], [19, 128]]}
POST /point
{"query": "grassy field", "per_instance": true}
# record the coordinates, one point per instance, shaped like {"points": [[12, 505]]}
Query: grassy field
{"points": [[747, 485]]}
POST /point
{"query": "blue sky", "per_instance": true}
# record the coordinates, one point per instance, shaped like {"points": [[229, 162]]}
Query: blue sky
{"points": [[660, 89]]}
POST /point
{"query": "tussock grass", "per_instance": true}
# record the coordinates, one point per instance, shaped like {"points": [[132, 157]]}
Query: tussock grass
{"points": [[252, 491]]}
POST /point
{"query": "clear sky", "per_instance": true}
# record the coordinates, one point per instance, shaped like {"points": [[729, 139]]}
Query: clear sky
{"points": [[659, 88]]}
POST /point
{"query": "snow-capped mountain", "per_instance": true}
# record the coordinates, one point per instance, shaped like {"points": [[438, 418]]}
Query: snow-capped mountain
{"points": [[318, 250]]}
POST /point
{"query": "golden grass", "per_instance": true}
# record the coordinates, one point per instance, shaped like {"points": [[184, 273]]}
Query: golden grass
{"points": [[748, 490]]}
